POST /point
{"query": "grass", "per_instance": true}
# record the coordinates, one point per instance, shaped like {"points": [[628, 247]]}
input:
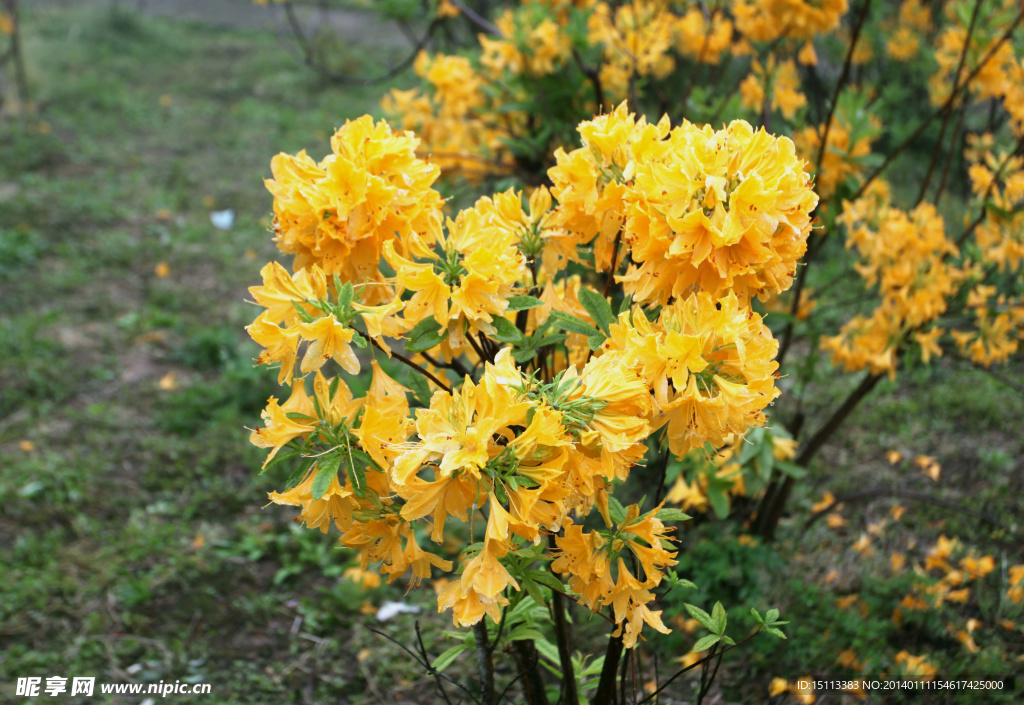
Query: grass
{"points": [[132, 531]]}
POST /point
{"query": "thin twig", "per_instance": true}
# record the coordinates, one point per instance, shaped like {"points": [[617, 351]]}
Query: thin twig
{"points": [[949, 110], [426, 659], [801, 277], [895, 152], [309, 54], [694, 665], [484, 663], [611, 270], [413, 365], [476, 19], [430, 669]]}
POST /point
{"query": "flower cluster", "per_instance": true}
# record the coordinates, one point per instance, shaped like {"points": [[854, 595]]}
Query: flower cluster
{"points": [[543, 400], [906, 256]]}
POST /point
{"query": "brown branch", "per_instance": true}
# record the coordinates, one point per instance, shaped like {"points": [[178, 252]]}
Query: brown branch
{"points": [[569, 695], [938, 111], [812, 250], [309, 53], [945, 117], [843, 76], [953, 149], [424, 664], [700, 56], [611, 270], [605, 694], [694, 665], [484, 663], [413, 365], [476, 19], [426, 659]]}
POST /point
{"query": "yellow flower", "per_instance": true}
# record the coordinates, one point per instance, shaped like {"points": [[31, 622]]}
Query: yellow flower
{"points": [[278, 427], [708, 363], [339, 213], [725, 210]]}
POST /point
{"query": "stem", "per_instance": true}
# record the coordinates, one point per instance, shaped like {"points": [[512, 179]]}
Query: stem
{"points": [[801, 277], [484, 663], [413, 365], [942, 108], [569, 695], [476, 19], [426, 659], [605, 694], [594, 76], [843, 76], [525, 654], [770, 509], [953, 149], [680, 672], [611, 270], [661, 477], [945, 117], [700, 56], [309, 55], [563, 636], [455, 365]]}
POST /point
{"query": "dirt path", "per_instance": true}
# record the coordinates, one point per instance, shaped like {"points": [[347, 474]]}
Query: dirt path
{"points": [[364, 26]]}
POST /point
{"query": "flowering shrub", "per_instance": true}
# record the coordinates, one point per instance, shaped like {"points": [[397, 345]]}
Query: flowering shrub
{"points": [[555, 398], [637, 304]]}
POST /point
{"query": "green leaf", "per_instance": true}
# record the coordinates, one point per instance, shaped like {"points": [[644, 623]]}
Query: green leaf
{"points": [[719, 499], [533, 590], [598, 308], [595, 341], [524, 633], [548, 650], [728, 640], [771, 616], [296, 416], [616, 510], [672, 514], [523, 354], [545, 578], [448, 657], [706, 643], [519, 303], [346, 294], [751, 445], [797, 472], [357, 472], [278, 458], [719, 617], [418, 384], [426, 335], [701, 616], [327, 472], [765, 460], [572, 324], [775, 632], [757, 616], [506, 331], [303, 313]]}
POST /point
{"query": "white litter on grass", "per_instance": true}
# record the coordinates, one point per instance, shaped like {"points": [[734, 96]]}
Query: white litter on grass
{"points": [[223, 220], [393, 609]]}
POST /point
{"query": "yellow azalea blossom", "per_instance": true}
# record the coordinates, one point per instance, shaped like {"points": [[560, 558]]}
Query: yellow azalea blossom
{"points": [[278, 428], [709, 366], [338, 213], [719, 211]]}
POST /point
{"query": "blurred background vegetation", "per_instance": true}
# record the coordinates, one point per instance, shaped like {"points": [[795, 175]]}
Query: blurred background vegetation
{"points": [[134, 542]]}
